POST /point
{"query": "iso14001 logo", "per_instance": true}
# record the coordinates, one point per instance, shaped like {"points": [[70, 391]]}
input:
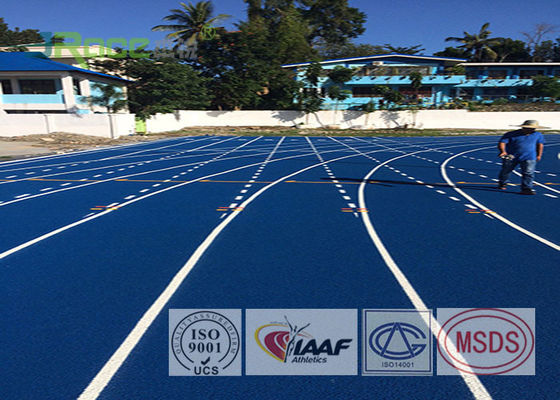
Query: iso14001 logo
{"points": [[204, 343], [397, 342]]}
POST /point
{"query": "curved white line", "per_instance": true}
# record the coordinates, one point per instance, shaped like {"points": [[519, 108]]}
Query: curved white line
{"points": [[483, 207], [104, 376], [475, 386]]}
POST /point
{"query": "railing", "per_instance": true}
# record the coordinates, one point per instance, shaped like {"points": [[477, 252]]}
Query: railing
{"points": [[33, 99]]}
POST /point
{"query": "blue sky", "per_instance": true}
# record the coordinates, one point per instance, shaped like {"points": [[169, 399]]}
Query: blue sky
{"points": [[398, 22]]}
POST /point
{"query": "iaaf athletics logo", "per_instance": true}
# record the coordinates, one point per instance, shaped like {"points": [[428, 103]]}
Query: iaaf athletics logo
{"points": [[290, 343], [301, 342]]}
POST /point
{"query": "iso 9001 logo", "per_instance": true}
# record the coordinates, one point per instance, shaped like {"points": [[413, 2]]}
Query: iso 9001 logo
{"points": [[204, 342]]}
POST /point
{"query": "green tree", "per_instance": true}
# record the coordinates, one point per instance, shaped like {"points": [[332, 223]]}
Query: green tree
{"points": [[545, 86], [536, 36], [478, 45], [245, 72], [509, 50], [109, 97], [404, 50], [189, 22], [328, 51], [310, 99], [546, 51], [165, 85], [453, 52], [339, 76], [9, 37], [333, 20], [416, 83]]}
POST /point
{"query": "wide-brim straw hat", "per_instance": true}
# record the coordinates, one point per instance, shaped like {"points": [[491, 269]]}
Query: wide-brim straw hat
{"points": [[532, 123]]}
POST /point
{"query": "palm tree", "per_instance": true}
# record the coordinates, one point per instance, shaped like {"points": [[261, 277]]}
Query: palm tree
{"points": [[191, 22], [477, 45]]}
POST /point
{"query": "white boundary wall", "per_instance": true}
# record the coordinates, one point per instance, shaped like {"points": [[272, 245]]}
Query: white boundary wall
{"points": [[425, 119], [104, 125]]}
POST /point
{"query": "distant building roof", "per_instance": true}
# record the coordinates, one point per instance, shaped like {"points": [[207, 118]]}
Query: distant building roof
{"points": [[378, 56], [34, 61], [488, 64]]}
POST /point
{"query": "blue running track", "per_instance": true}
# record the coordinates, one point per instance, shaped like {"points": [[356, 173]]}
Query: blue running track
{"points": [[90, 240]]}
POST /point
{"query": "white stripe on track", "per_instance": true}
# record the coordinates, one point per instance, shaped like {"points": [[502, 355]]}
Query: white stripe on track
{"points": [[104, 376], [483, 207], [475, 386]]}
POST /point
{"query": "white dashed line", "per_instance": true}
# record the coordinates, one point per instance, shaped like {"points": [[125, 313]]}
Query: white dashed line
{"points": [[22, 195], [130, 197], [45, 189], [551, 195], [440, 192]]}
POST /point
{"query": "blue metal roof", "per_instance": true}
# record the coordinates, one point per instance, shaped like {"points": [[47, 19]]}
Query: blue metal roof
{"points": [[35, 61]]}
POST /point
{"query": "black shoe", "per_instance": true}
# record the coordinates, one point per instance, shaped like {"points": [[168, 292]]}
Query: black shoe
{"points": [[528, 191]]}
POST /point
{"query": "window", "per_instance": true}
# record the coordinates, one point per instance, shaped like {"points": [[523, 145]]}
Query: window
{"points": [[497, 74], [530, 73], [392, 71], [77, 90], [495, 92], [365, 91], [424, 91], [6, 86], [37, 86], [473, 74]]}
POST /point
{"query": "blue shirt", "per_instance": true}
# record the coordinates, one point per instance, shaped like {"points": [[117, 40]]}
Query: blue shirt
{"points": [[523, 147]]}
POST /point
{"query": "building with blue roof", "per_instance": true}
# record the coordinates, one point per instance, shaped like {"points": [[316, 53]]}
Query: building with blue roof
{"points": [[444, 79], [32, 83]]}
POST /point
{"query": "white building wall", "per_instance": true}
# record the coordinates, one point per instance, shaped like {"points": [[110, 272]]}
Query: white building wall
{"points": [[425, 119], [104, 125]]}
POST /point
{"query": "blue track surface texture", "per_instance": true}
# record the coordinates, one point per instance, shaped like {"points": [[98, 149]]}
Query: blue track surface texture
{"points": [[91, 240]]}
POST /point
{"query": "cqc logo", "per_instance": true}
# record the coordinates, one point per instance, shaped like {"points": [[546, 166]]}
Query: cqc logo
{"points": [[486, 341], [287, 342], [397, 341]]}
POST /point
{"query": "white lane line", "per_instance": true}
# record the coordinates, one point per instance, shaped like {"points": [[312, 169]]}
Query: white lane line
{"points": [[232, 205], [551, 195], [238, 198], [45, 189], [12, 176], [476, 387], [156, 185], [483, 207], [130, 197], [144, 190], [440, 192], [104, 376], [66, 184], [21, 195], [112, 205], [551, 174], [429, 186], [454, 198], [470, 206], [243, 191]]}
